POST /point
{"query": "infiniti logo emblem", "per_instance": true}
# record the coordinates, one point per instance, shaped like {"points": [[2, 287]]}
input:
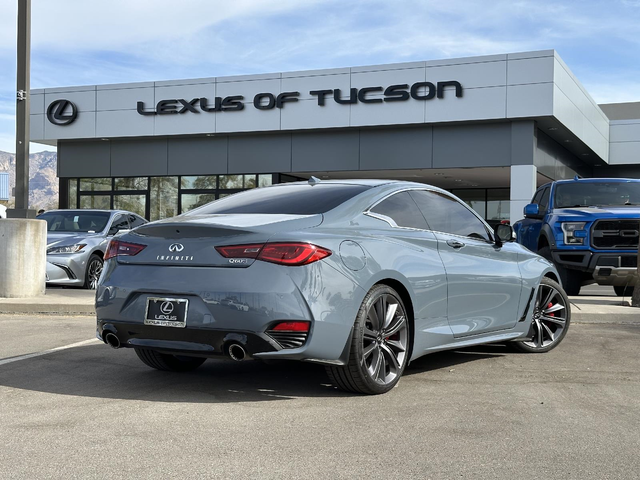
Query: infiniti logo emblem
{"points": [[56, 112], [176, 247], [166, 308]]}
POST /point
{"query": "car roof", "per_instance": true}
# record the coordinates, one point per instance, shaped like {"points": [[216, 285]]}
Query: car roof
{"points": [[365, 181], [599, 180], [88, 210]]}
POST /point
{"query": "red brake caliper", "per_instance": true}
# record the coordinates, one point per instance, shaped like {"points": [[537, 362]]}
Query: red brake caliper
{"points": [[549, 306]]}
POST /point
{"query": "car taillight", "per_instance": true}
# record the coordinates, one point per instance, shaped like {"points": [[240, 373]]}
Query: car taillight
{"points": [[240, 251], [291, 327], [284, 253], [118, 248]]}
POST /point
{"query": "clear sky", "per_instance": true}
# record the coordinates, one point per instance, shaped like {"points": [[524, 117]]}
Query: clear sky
{"points": [[79, 42]]}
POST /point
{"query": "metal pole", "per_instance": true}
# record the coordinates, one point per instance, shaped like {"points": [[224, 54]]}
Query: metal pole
{"points": [[22, 111]]}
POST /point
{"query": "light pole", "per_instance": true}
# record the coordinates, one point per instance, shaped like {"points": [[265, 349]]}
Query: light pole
{"points": [[22, 113]]}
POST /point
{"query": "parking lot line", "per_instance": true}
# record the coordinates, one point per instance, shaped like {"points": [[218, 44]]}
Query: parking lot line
{"points": [[47, 352]]}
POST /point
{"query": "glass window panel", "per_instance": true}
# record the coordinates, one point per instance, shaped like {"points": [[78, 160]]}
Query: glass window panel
{"points": [[136, 221], [287, 199], [403, 210], [132, 183], [230, 181], [131, 203], [95, 184], [249, 181], [474, 198], [193, 200], [199, 182], [498, 205], [101, 202], [164, 198], [265, 180], [446, 215], [73, 193]]}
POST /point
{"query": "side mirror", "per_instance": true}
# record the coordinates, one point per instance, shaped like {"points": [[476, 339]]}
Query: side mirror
{"points": [[532, 210], [504, 233]]}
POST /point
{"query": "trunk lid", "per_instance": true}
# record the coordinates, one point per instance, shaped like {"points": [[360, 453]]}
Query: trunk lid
{"points": [[191, 240]]}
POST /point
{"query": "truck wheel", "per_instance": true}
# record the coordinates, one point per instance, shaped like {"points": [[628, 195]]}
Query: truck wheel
{"points": [[571, 279], [623, 291]]}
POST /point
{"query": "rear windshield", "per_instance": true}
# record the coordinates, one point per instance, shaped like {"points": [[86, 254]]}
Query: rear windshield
{"points": [[74, 221], [597, 194], [284, 199]]}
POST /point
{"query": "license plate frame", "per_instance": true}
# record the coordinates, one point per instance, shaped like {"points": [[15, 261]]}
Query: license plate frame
{"points": [[158, 314]]}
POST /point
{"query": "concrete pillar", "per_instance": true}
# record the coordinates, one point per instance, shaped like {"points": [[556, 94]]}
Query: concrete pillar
{"points": [[23, 257], [523, 186]]}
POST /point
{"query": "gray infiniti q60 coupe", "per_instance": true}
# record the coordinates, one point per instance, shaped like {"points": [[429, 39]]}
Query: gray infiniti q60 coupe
{"points": [[361, 276]]}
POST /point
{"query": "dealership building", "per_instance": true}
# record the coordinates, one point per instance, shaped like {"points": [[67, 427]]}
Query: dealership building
{"points": [[490, 129]]}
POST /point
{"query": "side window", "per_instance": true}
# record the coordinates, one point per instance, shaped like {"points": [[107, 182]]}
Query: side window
{"points": [[537, 196], [120, 222], [544, 200], [403, 210], [446, 215], [136, 221]]}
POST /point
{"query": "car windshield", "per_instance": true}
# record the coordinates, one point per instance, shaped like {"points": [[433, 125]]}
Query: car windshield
{"points": [[284, 199], [74, 221], [586, 194]]}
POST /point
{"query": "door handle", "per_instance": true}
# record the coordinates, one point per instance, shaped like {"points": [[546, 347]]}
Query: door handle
{"points": [[455, 244]]}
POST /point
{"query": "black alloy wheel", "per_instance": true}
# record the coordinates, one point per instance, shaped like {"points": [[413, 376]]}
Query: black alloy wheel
{"points": [[93, 272], [379, 346], [551, 318]]}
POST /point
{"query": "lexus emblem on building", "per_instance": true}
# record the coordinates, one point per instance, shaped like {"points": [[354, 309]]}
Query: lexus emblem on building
{"points": [[62, 112], [176, 247]]}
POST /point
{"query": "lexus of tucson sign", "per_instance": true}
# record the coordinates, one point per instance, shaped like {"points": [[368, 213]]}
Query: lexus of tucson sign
{"points": [[63, 112], [268, 101]]}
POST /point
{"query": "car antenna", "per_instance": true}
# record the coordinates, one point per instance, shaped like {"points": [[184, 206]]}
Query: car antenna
{"points": [[577, 177], [314, 180]]}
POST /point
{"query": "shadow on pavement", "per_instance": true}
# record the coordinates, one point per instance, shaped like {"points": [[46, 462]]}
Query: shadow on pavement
{"points": [[451, 358], [96, 371]]}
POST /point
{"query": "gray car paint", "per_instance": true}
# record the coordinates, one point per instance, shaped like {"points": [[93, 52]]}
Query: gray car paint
{"points": [[452, 303], [96, 243]]}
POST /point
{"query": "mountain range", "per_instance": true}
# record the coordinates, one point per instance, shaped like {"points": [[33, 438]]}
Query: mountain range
{"points": [[43, 180]]}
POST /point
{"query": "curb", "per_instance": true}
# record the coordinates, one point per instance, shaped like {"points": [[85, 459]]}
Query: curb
{"points": [[39, 309]]}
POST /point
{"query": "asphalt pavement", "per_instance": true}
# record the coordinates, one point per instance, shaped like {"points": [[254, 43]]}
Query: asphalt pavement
{"points": [[88, 411]]}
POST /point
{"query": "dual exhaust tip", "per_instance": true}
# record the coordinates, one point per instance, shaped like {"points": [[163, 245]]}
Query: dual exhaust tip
{"points": [[235, 350], [112, 340]]}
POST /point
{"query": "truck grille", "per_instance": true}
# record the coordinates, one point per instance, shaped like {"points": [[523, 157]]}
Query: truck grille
{"points": [[621, 234]]}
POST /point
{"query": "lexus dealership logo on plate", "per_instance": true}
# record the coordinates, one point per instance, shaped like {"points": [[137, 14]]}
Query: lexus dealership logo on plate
{"points": [[62, 112], [166, 308], [176, 247]]}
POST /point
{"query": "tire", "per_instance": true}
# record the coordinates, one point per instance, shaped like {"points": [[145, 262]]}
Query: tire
{"points": [[571, 279], [550, 323], [169, 363], [623, 291], [379, 353], [93, 271]]}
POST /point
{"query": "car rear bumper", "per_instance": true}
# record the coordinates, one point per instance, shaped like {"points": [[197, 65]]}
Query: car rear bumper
{"points": [[267, 293]]}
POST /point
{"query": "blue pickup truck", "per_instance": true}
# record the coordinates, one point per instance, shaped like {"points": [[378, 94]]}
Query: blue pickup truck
{"points": [[588, 228]]}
